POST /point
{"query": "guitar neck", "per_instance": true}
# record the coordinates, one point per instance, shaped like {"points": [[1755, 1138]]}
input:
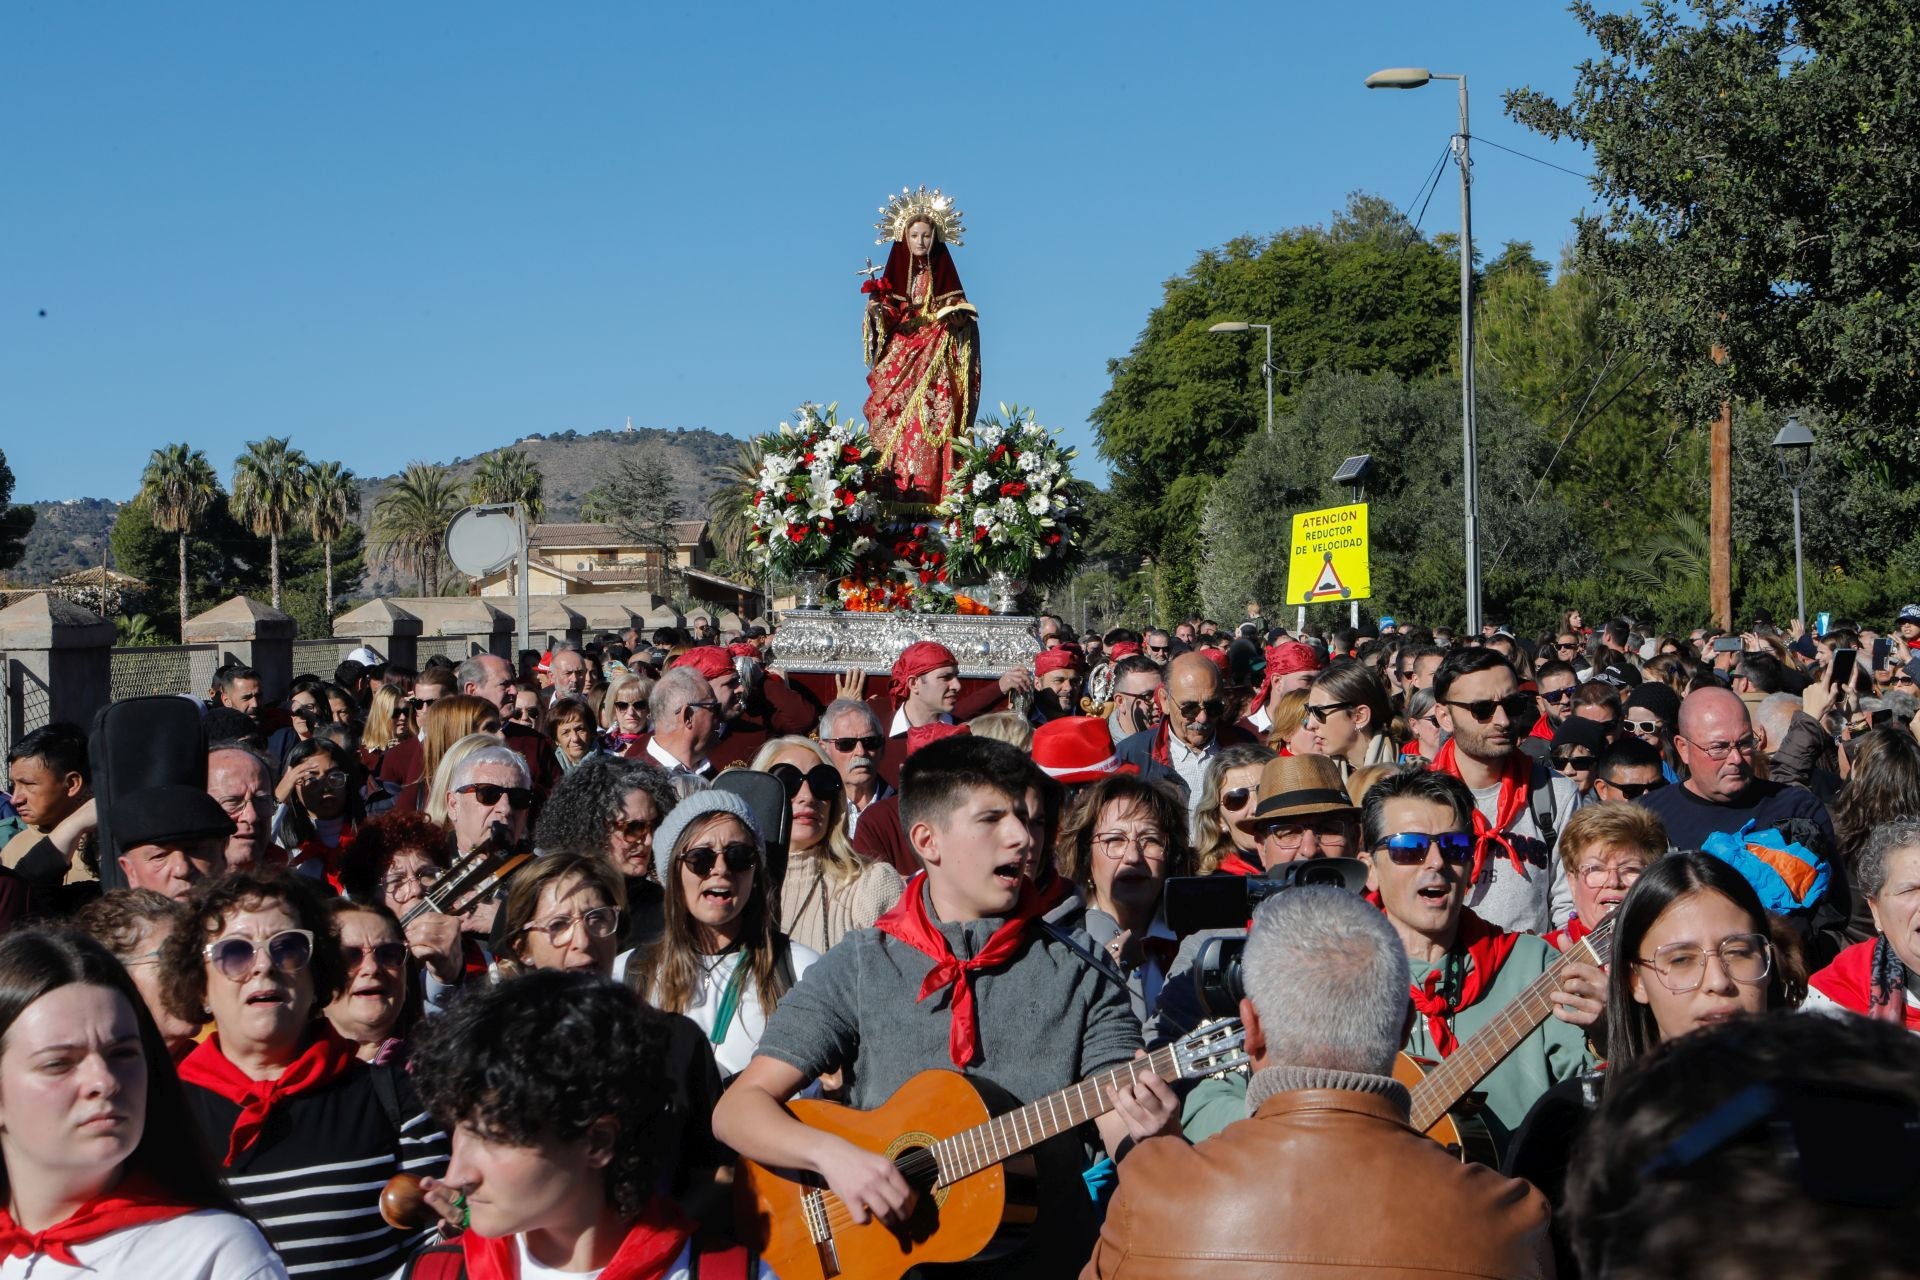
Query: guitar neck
{"points": [[987, 1144], [1473, 1060]]}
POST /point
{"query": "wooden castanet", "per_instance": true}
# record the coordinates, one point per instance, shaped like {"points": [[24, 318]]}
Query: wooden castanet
{"points": [[782, 1216], [403, 1203]]}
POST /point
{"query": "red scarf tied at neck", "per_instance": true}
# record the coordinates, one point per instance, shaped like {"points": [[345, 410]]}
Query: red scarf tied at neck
{"points": [[652, 1243], [322, 1062], [136, 1201], [908, 921], [1516, 789], [1487, 949]]}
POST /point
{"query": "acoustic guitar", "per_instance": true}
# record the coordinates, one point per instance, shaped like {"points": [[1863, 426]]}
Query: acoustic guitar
{"points": [[939, 1131], [1437, 1088]]}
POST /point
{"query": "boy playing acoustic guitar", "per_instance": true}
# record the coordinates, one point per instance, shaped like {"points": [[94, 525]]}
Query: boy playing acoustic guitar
{"points": [[961, 976]]}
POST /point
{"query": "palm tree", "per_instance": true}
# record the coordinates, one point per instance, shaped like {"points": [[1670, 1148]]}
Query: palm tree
{"points": [[269, 493], [410, 520], [509, 475], [727, 509], [178, 486], [333, 499]]}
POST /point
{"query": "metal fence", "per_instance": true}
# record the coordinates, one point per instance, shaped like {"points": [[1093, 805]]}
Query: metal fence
{"points": [[455, 648], [7, 738], [320, 657], [176, 668]]}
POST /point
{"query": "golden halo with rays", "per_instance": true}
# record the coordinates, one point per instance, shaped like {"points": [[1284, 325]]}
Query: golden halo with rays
{"points": [[909, 207]]}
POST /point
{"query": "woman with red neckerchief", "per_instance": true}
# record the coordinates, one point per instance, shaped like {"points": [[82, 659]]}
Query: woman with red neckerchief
{"points": [[306, 1133], [554, 1087], [103, 1173]]}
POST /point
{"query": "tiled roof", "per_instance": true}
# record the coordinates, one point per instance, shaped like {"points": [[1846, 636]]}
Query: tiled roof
{"points": [[686, 533]]}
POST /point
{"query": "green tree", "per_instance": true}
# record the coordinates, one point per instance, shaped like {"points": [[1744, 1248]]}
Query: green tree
{"points": [[223, 557], [178, 486], [727, 508], [333, 500], [1756, 162], [410, 520], [15, 522], [270, 493], [1416, 503], [509, 475], [1364, 295], [641, 499]]}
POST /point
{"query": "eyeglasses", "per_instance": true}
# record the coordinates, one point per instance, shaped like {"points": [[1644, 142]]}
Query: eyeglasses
{"points": [[1405, 673], [700, 859], [600, 922], [1567, 648], [871, 743], [331, 778], [1641, 726], [1720, 750], [1682, 966], [1558, 696], [386, 955], [1237, 798], [635, 831], [425, 878], [1634, 790], [1325, 709], [1214, 707], [288, 951], [1516, 705], [145, 957], [618, 705], [1409, 848], [823, 780], [1115, 844], [488, 794], [713, 707], [1599, 876], [259, 802], [1901, 677], [1574, 762], [1157, 648], [1287, 836]]}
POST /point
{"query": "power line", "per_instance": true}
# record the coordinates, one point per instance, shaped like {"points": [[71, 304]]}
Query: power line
{"points": [[1488, 142]]}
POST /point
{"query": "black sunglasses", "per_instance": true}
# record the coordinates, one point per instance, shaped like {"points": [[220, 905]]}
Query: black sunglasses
{"points": [[1574, 762], [1558, 696], [845, 746], [700, 859], [387, 955], [1237, 798], [488, 794], [1516, 705], [1409, 848], [626, 706], [823, 780], [1634, 790], [1214, 708]]}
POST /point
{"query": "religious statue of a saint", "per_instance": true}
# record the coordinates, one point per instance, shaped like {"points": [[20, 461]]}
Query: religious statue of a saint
{"points": [[922, 348]]}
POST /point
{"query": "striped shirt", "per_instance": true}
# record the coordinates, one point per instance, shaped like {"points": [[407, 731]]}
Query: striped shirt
{"points": [[313, 1180]]}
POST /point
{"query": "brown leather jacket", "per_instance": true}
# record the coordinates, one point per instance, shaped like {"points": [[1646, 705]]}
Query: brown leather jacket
{"points": [[1319, 1183]]}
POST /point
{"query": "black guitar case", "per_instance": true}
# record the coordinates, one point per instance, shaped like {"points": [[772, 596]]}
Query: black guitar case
{"points": [[772, 809], [140, 743]]}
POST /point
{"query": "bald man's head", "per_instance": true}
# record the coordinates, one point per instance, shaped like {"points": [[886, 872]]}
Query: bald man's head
{"points": [[1716, 743], [1192, 700]]}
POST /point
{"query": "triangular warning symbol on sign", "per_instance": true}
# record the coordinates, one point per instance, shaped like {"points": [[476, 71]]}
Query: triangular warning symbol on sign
{"points": [[1328, 583]]}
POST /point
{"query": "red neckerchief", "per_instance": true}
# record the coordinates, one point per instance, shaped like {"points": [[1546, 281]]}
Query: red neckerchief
{"points": [[651, 1244], [322, 1062], [1487, 949], [1849, 982], [908, 922], [1160, 752], [1568, 934], [1516, 778], [328, 857], [136, 1201], [1235, 865]]}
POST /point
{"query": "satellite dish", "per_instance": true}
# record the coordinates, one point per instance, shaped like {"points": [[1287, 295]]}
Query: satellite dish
{"points": [[484, 540]]}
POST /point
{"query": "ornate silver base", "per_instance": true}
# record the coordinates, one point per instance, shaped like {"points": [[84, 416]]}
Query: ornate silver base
{"points": [[987, 647]]}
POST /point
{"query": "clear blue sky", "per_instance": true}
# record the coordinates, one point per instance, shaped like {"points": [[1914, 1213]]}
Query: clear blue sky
{"points": [[424, 230]]}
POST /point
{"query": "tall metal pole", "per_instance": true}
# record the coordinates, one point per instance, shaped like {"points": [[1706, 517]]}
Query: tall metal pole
{"points": [[1471, 474], [1267, 368], [1799, 565]]}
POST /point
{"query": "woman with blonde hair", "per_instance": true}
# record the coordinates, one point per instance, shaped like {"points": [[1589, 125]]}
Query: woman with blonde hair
{"points": [[829, 889], [446, 721], [389, 720], [624, 718], [1009, 727], [1231, 789], [1290, 735]]}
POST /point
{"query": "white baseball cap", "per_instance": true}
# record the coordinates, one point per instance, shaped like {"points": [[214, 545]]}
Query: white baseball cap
{"points": [[366, 656]]}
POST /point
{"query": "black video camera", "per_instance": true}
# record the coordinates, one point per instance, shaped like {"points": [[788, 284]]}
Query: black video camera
{"points": [[1222, 906]]}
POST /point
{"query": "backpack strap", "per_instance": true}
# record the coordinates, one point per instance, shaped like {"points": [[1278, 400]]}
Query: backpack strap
{"points": [[783, 962], [438, 1262], [733, 1262], [388, 1092], [1540, 795]]}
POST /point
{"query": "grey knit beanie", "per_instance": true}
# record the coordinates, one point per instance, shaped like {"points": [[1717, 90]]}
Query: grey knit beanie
{"points": [[666, 837]]}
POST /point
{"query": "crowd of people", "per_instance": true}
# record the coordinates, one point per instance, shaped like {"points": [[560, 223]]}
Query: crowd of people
{"points": [[500, 969]]}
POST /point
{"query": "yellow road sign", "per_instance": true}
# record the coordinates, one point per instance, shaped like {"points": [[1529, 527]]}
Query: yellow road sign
{"points": [[1328, 558]]}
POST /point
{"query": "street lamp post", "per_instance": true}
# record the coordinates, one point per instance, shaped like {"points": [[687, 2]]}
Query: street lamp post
{"points": [[1793, 452], [1266, 367], [1414, 78]]}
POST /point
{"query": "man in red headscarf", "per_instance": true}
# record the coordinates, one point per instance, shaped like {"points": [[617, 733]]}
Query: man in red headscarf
{"points": [[1290, 665], [1059, 675], [748, 716], [924, 687]]}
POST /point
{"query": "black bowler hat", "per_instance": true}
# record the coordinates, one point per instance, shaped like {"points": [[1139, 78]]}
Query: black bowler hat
{"points": [[166, 815]]}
